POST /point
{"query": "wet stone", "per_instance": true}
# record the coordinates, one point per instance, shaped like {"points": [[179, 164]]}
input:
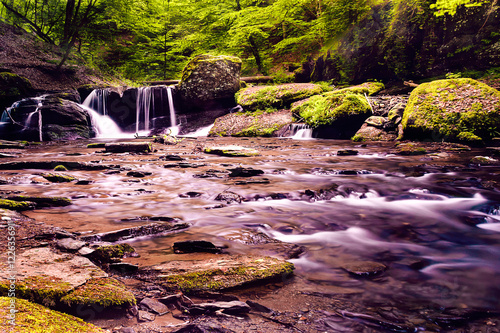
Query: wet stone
{"points": [[193, 246], [258, 307], [124, 268], [172, 158], [138, 174], [347, 152], [364, 268], [233, 307], [229, 197], [152, 305], [245, 172], [70, 244], [190, 194], [232, 151], [145, 316]]}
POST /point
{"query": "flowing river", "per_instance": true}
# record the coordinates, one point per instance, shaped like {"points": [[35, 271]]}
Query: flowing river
{"points": [[433, 219]]}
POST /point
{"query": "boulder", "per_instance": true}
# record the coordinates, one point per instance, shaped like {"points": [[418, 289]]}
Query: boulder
{"points": [[13, 88], [280, 96], [209, 80], [253, 124], [368, 88], [334, 115], [60, 119], [463, 110], [231, 151], [377, 128]]}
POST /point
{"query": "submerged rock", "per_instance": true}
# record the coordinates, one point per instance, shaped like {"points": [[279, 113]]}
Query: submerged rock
{"points": [[463, 110], [193, 246], [58, 177], [364, 268], [44, 201], [31, 317], [245, 172]]}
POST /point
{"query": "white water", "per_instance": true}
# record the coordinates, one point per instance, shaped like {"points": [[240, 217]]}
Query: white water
{"points": [[143, 107], [40, 129], [104, 126], [173, 122], [301, 132], [97, 101], [204, 131]]}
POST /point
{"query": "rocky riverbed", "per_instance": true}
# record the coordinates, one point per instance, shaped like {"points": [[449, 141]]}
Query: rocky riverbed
{"points": [[257, 234]]}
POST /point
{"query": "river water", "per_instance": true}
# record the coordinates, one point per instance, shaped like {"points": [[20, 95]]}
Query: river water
{"points": [[433, 220]]}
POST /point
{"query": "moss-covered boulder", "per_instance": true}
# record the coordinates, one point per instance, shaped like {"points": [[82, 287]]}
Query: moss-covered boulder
{"points": [[334, 115], [58, 177], [16, 205], [224, 273], [231, 151], [259, 123], [368, 88], [208, 80], [112, 253], [463, 110], [280, 96], [33, 318], [13, 88], [106, 292]]}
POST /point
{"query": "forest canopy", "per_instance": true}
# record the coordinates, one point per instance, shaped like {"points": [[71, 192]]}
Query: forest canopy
{"points": [[153, 39]]}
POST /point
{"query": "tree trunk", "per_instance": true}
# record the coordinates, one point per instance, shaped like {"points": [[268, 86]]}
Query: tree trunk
{"points": [[255, 52]]}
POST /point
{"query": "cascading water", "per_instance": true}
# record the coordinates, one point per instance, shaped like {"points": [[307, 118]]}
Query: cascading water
{"points": [[145, 98], [98, 101], [173, 122], [301, 131]]}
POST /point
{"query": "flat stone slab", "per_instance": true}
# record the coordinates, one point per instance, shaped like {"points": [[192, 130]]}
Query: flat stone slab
{"points": [[220, 272], [73, 270], [364, 268], [128, 147], [232, 151], [154, 306]]}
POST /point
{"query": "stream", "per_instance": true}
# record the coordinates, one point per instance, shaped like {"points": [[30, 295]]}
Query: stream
{"points": [[433, 220]]}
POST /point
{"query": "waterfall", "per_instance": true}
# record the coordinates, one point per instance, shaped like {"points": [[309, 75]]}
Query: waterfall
{"points": [[301, 132], [40, 128], [173, 122], [103, 125], [145, 98], [97, 101]]}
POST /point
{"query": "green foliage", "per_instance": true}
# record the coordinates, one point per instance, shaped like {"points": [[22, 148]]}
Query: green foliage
{"points": [[443, 7]]}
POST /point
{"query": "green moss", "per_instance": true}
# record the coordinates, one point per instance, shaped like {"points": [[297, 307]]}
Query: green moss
{"points": [[47, 290], [100, 291], [16, 205], [358, 138], [97, 145], [44, 201], [35, 318], [468, 137], [483, 160], [111, 253], [218, 279], [411, 149], [60, 168], [368, 88], [441, 110], [280, 96], [231, 152], [58, 177], [326, 109]]}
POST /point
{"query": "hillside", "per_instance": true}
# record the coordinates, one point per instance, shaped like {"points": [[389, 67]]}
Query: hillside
{"points": [[24, 54]]}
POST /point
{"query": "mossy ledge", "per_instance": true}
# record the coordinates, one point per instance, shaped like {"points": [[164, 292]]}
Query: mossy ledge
{"points": [[35, 318], [106, 292], [16, 205], [225, 278], [112, 253]]}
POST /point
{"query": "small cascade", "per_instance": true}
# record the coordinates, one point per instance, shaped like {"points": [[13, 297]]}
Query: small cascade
{"points": [[97, 101], [173, 122], [301, 132], [40, 127], [204, 131], [103, 125], [145, 98]]}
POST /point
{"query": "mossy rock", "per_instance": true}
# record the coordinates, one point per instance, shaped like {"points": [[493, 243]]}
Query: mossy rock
{"points": [[97, 145], [368, 88], [260, 123], [328, 108], [43, 289], [231, 151], [208, 78], [112, 253], [58, 177], [35, 318], [280, 96], [106, 292], [43, 201], [60, 168], [456, 110], [235, 271], [16, 205]]}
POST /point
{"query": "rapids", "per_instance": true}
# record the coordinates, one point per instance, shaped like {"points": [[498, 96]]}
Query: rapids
{"points": [[431, 219]]}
